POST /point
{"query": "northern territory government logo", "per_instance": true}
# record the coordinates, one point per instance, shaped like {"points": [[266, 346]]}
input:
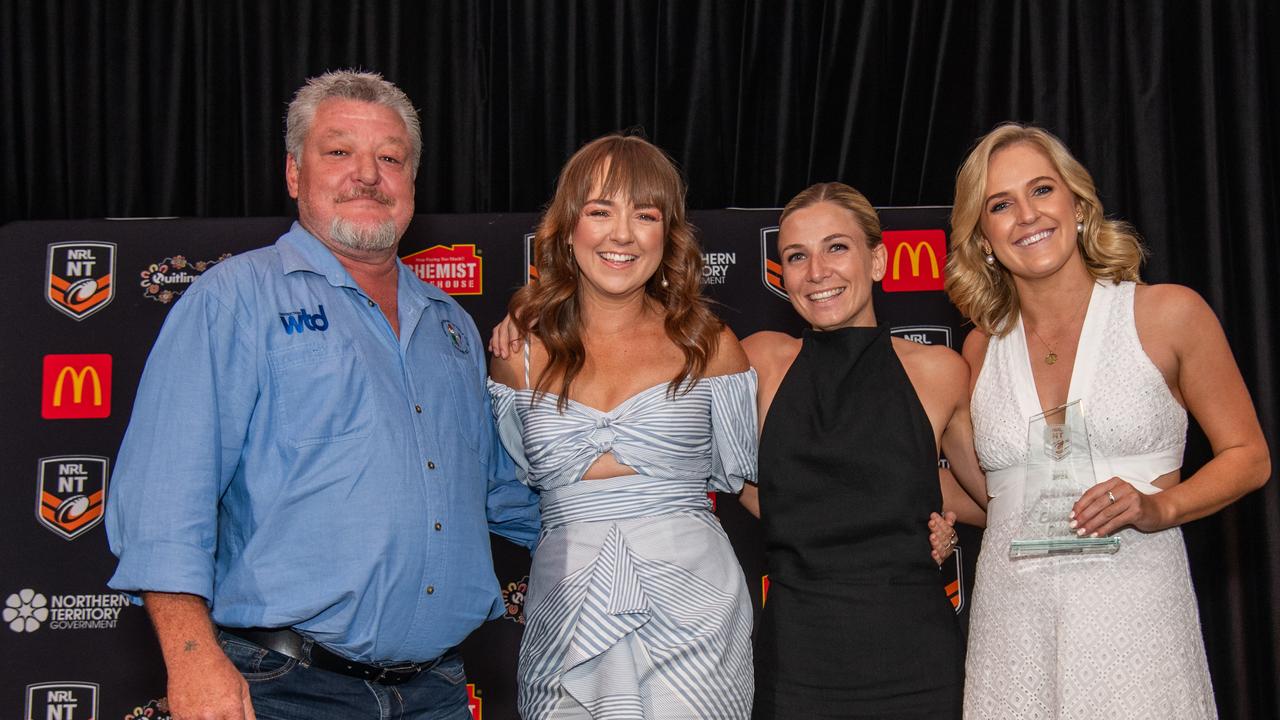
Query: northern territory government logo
{"points": [[71, 491], [27, 610], [455, 269], [771, 262], [62, 701], [165, 281], [81, 277]]}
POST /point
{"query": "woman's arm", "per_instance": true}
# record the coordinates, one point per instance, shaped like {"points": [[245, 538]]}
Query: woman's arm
{"points": [[1182, 335]]}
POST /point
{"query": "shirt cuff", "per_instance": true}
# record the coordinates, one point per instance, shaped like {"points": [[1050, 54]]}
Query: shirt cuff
{"points": [[164, 566]]}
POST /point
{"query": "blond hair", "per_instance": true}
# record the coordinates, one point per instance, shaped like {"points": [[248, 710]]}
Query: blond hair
{"points": [[840, 195], [985, 293]]}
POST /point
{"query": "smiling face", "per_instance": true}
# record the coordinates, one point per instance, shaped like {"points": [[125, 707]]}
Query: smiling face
{"points": [[617, 244], [827, 269], [354, 185], [1029, 214]]}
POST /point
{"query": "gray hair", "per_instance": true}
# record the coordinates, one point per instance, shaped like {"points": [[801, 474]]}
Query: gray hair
{"points": [[349, 85]]}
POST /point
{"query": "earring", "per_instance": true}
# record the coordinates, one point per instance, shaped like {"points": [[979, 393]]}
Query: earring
{"points": [[664, 282], [991, 259], [1079, 228]]}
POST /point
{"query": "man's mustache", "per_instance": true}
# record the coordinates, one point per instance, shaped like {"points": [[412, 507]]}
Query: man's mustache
{"points": [[370, 193]]}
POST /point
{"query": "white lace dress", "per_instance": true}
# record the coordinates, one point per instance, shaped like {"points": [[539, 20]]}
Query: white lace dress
{"points": [[1102, 636]]}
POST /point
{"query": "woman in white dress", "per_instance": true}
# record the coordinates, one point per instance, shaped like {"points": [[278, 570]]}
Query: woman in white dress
{"points": [[1053, 288], [629, 402]]}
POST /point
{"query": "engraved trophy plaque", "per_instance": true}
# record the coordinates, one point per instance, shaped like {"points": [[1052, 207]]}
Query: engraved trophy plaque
{"points": [[1059, 470]]}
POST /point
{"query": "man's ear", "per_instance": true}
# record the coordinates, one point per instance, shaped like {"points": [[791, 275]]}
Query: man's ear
{"points": [[291, 175]]}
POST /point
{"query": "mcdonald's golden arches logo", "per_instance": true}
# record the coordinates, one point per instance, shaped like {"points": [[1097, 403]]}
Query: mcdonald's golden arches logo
{"points": [[76, 386], [917, 259]]}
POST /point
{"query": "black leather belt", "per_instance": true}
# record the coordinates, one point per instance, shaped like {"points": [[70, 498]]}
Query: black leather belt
{"points": [[291, 644]]}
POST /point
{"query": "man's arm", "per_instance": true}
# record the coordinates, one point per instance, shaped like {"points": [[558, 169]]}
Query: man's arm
{"points": [[203, 684]]}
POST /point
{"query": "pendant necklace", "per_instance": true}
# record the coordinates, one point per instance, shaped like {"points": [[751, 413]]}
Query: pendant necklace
{"points": [[1052, 357]]}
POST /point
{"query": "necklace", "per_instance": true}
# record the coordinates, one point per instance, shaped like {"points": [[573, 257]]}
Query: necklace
{"points": [[1052, 357]]}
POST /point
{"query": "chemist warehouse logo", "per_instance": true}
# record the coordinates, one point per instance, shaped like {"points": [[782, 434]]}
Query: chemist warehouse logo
{"points": [[27, 610], [455, 269], [62, 701], [71, 491], [916, 260], [81, 277]]}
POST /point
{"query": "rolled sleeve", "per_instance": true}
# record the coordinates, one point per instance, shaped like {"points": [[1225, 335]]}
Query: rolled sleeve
{"points": [[181, 449]]}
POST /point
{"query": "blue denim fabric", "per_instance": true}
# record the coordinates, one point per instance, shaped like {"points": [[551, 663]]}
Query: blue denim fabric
{"points": [[283, 688]]}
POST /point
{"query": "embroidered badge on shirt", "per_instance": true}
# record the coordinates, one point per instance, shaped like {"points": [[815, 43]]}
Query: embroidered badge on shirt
{"points": [[455, 336]]}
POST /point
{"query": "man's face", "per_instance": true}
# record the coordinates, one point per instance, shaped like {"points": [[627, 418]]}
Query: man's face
{"points": [[354, 185]]}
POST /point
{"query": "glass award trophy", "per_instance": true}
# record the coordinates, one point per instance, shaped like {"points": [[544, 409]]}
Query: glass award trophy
{"points": [[1059, 470]]}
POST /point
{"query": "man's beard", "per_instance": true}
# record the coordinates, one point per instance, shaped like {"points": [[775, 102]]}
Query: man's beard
{"points": [[380, 237]]}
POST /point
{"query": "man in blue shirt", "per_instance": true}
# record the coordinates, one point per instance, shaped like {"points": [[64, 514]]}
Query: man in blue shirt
{"points": [[325, 531]]}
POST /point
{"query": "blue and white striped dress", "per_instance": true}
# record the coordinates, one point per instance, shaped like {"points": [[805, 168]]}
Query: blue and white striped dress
{"points": [[637, 607]]}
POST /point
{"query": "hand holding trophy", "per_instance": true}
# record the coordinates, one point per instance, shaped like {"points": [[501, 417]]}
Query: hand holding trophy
{"points": [[1059, 469]]}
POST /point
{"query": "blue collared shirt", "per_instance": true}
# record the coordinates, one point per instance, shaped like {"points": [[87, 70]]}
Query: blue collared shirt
{"points": [[294, 462]]}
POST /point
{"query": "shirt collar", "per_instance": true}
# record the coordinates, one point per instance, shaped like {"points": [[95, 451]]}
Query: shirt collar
{"points": [[301, 251]]}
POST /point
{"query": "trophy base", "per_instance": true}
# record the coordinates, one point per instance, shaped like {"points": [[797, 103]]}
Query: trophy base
{"points": [[1047, 547]]}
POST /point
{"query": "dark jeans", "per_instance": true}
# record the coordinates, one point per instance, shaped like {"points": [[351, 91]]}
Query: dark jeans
{"points": [[286, 689]]}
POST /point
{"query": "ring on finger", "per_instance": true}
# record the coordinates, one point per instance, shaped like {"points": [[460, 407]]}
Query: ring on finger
{"points": [[1111, 496]]}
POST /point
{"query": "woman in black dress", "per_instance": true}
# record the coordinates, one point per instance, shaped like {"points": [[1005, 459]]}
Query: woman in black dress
{"points": [[857, 623]]}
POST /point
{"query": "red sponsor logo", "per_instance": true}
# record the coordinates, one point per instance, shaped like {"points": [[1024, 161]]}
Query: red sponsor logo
{"points": [[764, 589], [455, 269], [916, 260], [473, 701], [76, 386]]}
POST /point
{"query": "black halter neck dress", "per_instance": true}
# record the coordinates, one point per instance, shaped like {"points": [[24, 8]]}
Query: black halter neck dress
{"points": [[857, 622]]}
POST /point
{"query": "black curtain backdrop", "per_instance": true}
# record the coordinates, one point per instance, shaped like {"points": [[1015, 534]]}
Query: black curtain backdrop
{"points": [[140, 108]]}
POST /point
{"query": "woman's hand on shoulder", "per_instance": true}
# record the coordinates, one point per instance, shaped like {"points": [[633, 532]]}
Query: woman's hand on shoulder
{"points": [[505, 340]]}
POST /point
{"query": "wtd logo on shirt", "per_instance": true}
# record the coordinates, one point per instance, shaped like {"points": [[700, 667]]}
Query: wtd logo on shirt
{"points": [[300, 321]]}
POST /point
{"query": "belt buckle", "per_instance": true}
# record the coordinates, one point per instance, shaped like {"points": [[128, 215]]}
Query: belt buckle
{"points": [[395, 676]]}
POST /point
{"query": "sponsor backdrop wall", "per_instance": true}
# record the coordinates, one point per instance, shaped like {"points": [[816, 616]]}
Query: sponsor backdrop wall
{"points": [[87, 299]]}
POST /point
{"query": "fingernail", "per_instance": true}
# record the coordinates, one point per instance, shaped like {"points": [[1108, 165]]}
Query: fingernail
{"points": [[1080, 531], [1073, 516], [1094, 535], [1074, 523]]}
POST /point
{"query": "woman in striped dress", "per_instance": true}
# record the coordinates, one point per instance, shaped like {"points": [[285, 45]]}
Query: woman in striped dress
{"points": [[629, 402]]}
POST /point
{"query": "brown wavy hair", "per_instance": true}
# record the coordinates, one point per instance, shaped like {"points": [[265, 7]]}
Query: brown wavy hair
{"points": [[985, 293], [550, 308]]}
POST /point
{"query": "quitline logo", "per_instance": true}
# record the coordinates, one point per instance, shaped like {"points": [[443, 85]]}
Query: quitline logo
{"points": [[916, 260], [80, 277], [76, 387]]}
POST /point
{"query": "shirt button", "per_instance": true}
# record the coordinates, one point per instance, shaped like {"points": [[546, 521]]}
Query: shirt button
{"points": [[439, 526], [418, 409], [431, 589], [371, 303], [431, 465]]}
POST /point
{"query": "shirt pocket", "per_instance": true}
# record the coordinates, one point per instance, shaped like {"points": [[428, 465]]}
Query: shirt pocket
{"points": [[321, 393], [467, 392]]}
